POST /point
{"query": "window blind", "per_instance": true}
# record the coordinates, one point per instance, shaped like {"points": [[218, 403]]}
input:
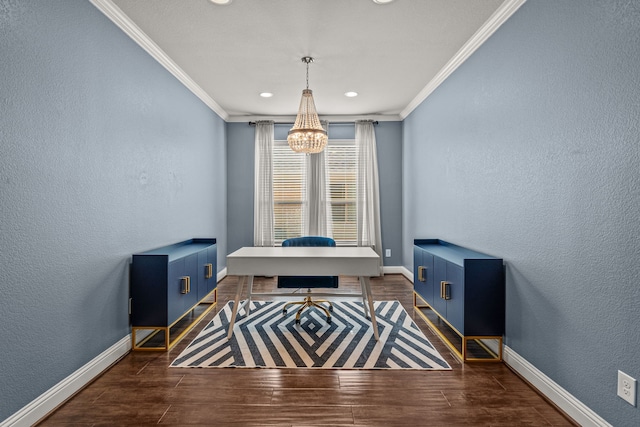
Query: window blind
{"points": [[341, 161], [290, 196], [289, 193]]}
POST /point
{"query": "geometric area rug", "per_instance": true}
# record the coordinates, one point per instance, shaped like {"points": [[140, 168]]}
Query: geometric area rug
{"points": [[269, 339]]}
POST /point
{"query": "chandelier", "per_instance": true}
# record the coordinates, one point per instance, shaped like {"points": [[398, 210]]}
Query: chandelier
{"points": [[307, 134]]}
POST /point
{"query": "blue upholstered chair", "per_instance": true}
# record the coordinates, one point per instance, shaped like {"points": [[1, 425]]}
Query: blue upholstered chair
{"points": [[309, 281]]}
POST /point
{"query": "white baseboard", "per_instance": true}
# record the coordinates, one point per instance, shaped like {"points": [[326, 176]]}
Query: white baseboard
{"points": [[564, 400], [398, 270], [52, 398], [222, 274], [577, 410], [392, 269], [48, 401]]}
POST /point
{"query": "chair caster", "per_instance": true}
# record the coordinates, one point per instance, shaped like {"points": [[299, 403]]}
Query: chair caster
{"points": [[297, 321], [284, 312], [329, 320], [331, 308]]}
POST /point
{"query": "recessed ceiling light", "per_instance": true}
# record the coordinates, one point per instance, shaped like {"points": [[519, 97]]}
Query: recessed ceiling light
{"points": [[382, 1], [351, 94], [221, 2], [266, 94]]}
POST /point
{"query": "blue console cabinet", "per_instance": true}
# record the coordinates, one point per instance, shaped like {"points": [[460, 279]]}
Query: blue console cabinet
{"points": [[172, 288], [461, 294]]}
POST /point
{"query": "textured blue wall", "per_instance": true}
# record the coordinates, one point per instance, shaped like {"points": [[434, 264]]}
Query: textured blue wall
{"points": [[102, 154], [240, 158], [530, 152], [240, 176]]}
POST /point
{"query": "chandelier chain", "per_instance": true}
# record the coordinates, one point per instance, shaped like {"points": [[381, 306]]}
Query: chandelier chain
{"points": [[307, 60]]}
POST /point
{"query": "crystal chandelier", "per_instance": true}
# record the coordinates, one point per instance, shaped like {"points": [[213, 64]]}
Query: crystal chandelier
{"points": [[307, 134]]}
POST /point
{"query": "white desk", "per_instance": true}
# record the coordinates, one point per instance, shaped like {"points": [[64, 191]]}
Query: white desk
{"points": [[303, 261]]}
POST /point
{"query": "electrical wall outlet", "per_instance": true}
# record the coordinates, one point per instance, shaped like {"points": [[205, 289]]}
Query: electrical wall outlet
{"points": [[387, 253], [627, 388]]}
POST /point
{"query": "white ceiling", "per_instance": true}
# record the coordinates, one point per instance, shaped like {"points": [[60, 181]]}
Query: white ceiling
{"points": [[393, 55]]}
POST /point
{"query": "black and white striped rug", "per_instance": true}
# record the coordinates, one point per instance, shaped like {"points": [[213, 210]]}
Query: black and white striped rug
{"points": [[269, 339]]}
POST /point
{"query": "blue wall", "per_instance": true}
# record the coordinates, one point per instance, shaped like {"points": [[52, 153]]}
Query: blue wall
{"points": [[530, 152], [240, 165], [102, 154], [240, 176]]}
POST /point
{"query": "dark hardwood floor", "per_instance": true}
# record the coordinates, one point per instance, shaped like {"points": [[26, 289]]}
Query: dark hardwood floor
{"points": [[141, 389]]}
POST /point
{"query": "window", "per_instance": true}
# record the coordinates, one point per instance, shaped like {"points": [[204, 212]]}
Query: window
{"points": [[289, 191], [342, 167]]}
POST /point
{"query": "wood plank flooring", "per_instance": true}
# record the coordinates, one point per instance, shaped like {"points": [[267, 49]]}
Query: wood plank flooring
{"points": [[142, 390]]}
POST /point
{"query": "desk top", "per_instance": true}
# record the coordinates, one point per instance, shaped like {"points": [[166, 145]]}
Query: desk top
{"points": [[304, 261]]}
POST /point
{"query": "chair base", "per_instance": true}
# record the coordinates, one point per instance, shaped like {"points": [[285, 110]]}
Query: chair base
{"points": [[309, 303]]}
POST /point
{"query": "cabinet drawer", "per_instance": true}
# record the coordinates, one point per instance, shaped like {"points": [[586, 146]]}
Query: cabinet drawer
{"points": [[423, 274]]}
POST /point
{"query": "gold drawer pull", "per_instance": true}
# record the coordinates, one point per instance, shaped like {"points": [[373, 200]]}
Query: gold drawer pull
{"points": [[421, 270], [445, 290], [185, 285], [208, 271]]}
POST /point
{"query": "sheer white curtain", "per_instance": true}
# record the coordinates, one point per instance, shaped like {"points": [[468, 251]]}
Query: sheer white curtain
{"points": [[368, 193], [263, 233], [318, 207]]}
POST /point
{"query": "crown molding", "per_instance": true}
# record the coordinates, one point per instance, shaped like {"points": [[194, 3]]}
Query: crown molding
{"points": [[499, 17], [330, 119], [118, 17]]}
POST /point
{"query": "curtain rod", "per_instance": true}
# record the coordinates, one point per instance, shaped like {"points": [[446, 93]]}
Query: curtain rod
{"points": [[375, 122]]}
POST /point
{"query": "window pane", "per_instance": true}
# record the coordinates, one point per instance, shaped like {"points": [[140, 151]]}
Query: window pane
{"points": [[288, 192], [341, 165]]}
